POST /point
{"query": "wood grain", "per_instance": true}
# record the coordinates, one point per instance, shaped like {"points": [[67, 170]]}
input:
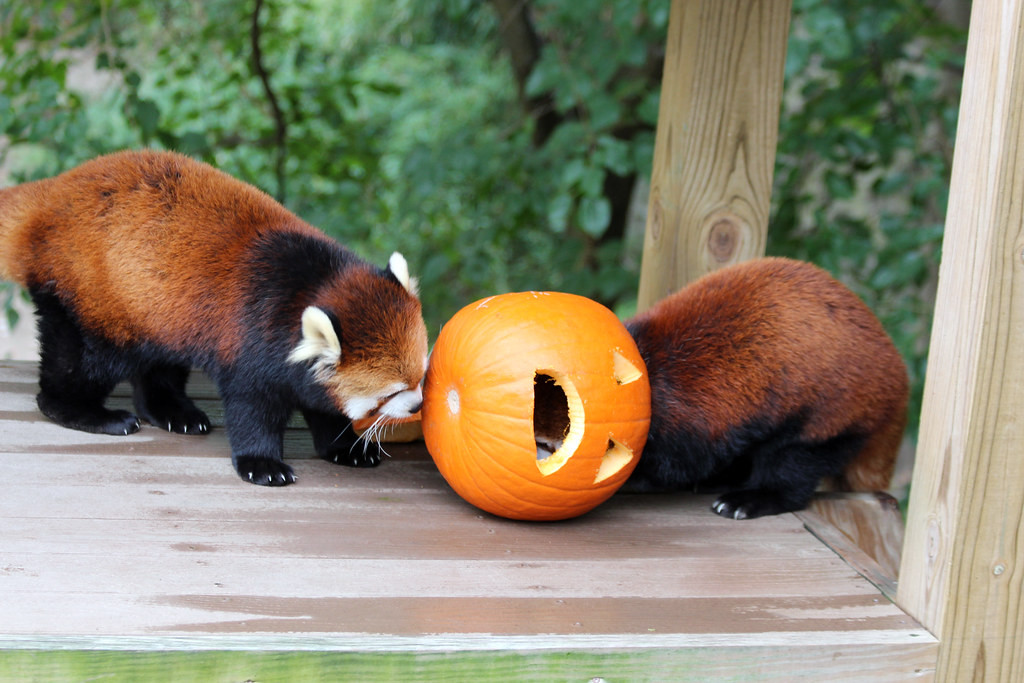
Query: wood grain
{"points": [[714, 150], [963, 561], [116, 546], [866, 529]]}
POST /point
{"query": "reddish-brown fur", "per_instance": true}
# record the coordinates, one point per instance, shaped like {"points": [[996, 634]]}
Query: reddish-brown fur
{"points": [[774, 342], [145, 263], [111, 256], [114, 255]]}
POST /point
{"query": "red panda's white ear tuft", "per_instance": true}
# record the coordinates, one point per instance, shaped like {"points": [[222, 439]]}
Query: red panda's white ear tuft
{"points": [[400, 269], [319, 339]]}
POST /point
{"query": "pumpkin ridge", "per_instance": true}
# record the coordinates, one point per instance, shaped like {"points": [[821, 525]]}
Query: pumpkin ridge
{"points": [[484, 491]]}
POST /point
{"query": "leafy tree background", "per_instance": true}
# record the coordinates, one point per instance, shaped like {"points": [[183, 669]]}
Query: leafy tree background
{"points": [[500, 145]]}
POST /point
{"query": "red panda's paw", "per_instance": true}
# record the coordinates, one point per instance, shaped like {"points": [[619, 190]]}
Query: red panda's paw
{"points": [[754, 503], [94, 419], [159, 399], [263, 471], [180, 416], [359, 455], [119, 423], [190, 422], [335, 440]]}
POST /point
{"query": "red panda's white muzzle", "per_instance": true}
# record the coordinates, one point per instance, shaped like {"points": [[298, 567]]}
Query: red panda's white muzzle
{"points": [[398, 401]]}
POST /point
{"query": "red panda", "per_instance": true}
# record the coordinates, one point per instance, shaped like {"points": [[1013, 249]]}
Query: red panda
{"points": [[768, 377], [145, 264]]}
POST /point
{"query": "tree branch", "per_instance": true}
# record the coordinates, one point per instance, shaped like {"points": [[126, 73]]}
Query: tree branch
{"points": [[520, 40], [280, 124]]}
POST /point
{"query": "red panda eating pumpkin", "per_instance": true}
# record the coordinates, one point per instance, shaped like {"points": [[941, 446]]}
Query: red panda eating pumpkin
{"points": [[143, 265], [766, 378]]}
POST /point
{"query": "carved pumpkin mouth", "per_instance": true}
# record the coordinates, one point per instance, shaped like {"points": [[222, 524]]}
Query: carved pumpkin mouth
{"points": [[615, 458]]}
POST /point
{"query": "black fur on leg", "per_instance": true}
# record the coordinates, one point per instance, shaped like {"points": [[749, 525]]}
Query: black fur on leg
{"points": [[160, 399], [76, 373], [87, 417], [256, 419], [784, 475], [761, 468]]}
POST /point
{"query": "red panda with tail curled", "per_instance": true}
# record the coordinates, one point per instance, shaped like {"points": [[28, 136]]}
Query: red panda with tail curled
{"points": [[145, 264], [766, 378]]}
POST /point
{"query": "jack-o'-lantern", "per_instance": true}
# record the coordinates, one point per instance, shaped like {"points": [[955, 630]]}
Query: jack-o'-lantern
{"points": [[536, 404]]}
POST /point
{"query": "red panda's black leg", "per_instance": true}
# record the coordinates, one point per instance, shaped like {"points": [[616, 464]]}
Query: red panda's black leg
{"points": [[774, 487], [76, 375], [785, 474], [336, 441], [81, 412], [256, 433], [160, 399]]}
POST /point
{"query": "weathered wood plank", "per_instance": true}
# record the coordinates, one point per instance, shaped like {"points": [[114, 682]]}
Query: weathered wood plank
{"points": [[963, 562], [151, 542], [714, 151], [866, 529]]}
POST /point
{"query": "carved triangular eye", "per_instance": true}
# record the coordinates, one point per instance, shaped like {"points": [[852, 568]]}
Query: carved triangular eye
{"points": [[624, 371], [615, 458]]}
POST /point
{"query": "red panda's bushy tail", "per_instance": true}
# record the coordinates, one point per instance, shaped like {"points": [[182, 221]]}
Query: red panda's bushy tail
{"points": [[10, 223], [872, 468], [6, 227]]}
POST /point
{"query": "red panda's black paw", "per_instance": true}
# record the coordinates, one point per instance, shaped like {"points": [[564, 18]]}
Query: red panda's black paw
{"points": [[94, 419], [750, 504], [264, 471], [118, 423], [356, 457], [174, 413], [192, 422]]}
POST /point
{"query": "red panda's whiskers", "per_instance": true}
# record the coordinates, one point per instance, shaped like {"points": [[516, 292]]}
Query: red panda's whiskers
{"points": [[374, 433], [341, 433]]}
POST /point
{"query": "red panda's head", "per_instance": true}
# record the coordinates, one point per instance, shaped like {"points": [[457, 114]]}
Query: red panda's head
{"points": [[367, 342]]}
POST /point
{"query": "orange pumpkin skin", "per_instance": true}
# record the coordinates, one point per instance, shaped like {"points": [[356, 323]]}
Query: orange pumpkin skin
{"points": [[478, 404]]}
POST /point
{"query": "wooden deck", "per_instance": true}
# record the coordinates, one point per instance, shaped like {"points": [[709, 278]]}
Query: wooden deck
{"points": [[123, 556]]}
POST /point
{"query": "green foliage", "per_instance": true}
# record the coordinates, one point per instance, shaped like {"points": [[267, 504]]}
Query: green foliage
{"points": [[463, 185], [405, 128], [864, 155], [8, 292]]}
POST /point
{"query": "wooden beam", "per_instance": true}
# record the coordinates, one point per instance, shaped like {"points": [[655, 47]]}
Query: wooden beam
{"points": [[963, 559], [122, 557], [865, 529], [715, 145]]}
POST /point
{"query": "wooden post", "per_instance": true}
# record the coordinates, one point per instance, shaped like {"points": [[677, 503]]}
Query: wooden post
{"points": [[963, 558], [715, 145]]}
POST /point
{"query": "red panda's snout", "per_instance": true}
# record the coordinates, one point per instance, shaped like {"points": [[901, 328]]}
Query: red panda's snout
{"points": [[377, 368], [399, 404], [388, 385]]}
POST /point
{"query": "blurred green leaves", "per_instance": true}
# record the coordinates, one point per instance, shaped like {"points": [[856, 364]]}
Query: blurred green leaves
{"points": [[406, 129], [865, 149]]}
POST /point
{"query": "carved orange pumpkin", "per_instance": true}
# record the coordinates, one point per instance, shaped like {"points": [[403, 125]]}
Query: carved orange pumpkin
{"points": [[536, 404]]}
